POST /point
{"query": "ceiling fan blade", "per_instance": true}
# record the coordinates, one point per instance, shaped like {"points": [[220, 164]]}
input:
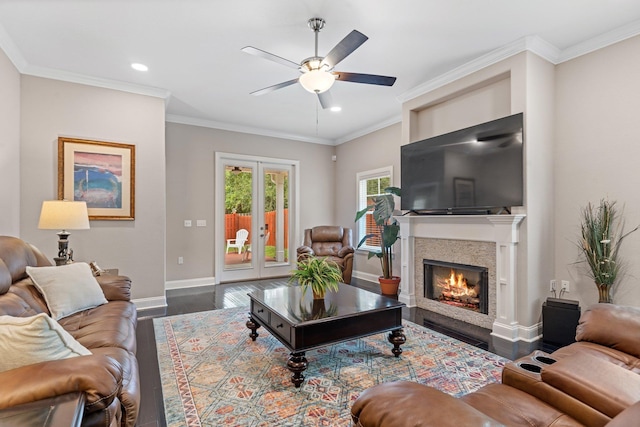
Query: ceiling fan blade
{"points": [[370, 79], [343, 49], [270, 56], [494, 137], [274, 87], [326, 100]]}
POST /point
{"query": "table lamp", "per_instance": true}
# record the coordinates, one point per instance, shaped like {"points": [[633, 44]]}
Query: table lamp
{"points": [[63, 215]]}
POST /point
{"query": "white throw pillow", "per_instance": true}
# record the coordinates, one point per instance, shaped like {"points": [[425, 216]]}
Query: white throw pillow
{"points": [[28, 340], [67, 289]]}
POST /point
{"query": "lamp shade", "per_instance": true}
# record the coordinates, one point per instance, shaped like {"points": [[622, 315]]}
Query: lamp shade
{"points": [[317, 81], [63, 215]]}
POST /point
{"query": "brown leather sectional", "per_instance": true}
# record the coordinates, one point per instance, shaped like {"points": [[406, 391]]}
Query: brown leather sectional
{"points": [[593, 382], [108, 378]]}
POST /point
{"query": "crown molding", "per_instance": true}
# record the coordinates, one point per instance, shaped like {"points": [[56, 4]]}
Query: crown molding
{"points": [[23, 67], [11, 50], [542, 48], [533, 43], [603, 40], [67, 76], [370, 129], [184, 120]]}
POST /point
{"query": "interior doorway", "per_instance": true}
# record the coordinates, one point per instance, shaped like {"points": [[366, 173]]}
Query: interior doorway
{"points": [[255, 217]]}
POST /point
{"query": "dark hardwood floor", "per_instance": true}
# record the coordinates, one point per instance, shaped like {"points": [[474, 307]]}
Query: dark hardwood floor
{"points": [[235, 295]]}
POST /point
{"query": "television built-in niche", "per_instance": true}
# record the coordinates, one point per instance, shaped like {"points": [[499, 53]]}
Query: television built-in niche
{"points": [[474, 170], [458, 285]]}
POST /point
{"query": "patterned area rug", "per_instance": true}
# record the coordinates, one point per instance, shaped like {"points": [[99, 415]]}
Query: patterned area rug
{"points": [[214, 375]]}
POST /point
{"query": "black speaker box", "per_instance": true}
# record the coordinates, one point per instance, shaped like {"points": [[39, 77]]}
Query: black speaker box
{"points": [[559, 321]]}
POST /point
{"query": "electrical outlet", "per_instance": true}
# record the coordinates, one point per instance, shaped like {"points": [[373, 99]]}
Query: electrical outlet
{"points": [[564, 286], [180, 260], [552, 285]]}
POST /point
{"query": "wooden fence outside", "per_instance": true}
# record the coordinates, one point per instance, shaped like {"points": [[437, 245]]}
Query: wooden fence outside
{"points": [[234, 222]]}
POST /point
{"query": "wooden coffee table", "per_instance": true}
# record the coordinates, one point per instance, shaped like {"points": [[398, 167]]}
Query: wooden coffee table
{"points": [[301, 323]]}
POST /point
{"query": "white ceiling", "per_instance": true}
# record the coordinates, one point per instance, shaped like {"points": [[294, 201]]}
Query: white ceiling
{"points": [[192, 48]]}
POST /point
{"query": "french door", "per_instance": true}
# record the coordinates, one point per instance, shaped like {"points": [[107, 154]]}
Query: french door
{"points": [[256, 217]]}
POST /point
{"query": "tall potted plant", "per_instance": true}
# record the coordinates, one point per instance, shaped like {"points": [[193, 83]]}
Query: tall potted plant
{"points": [[388, 232], [602, 233]]}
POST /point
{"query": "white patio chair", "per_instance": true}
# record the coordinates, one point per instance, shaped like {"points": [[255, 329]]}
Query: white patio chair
{"points": [[238, 242], [248, 252]]}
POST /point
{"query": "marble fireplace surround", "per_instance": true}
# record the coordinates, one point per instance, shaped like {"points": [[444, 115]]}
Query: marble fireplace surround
{"points": [[469, 252], [487, 240]]}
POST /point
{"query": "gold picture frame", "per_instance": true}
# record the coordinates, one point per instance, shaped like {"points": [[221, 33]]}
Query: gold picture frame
{"points": [[99, 173]]}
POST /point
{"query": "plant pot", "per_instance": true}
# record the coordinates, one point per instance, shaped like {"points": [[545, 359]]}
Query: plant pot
{"points": [[389, 286], [318, 309], [319, 295], [604, 293]]}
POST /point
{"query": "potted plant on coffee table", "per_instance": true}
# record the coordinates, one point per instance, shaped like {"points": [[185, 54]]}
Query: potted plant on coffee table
{"points": [[319, 274], [388, 233]]}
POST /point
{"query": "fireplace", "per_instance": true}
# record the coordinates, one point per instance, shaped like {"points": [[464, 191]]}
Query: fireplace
{"points": [[458, 285], [490, 241]]}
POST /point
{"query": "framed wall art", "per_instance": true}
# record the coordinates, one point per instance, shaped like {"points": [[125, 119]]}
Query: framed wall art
{"points": [[99, 173]]}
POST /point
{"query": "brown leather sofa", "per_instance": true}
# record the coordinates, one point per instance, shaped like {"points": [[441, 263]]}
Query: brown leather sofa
{"points": [[108, 377], [593, 382], [332, 242]]}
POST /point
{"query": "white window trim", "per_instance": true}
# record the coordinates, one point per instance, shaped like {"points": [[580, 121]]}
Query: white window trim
{"points": [[360, 176]]}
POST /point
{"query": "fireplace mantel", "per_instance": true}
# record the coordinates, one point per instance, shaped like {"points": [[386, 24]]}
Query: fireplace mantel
{"points": [[501, 229]]}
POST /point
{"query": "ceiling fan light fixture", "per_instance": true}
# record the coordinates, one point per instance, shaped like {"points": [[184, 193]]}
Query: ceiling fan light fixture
{"points": [[317, 81]]}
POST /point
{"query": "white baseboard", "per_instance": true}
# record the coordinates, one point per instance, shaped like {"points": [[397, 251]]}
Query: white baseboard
{"points": [[161, 301], [365, 276], [516, 332], [530, 333], [152, 302], [189, 283]]}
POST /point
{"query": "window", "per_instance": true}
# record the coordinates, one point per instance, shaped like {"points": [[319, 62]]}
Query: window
{"points": [[370, 184]]}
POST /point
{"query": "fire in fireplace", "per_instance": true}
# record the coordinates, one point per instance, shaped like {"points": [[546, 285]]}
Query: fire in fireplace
{"points": [[458, 285]]}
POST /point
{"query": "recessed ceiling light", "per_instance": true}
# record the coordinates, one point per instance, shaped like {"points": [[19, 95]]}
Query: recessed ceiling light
{"points": [[336, 109], [139, 67]]}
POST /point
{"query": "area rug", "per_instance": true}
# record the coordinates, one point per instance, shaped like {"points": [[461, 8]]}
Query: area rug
{"points": [[213, 374]]}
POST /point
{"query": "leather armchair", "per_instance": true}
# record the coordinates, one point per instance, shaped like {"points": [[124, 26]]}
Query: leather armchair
{"points": [[332, 242]]}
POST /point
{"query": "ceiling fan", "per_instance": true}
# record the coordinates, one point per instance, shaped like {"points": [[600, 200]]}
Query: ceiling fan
{"points": [[318, 73]]}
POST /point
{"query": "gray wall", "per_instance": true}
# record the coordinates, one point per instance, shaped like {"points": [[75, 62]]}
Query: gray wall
{"points": [[52, 108], [190, 189], [375, 150], [598, 147], [9, 147]]}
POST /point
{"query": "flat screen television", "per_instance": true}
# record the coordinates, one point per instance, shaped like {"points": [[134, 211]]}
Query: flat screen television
{"points": [[474, 170]]}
